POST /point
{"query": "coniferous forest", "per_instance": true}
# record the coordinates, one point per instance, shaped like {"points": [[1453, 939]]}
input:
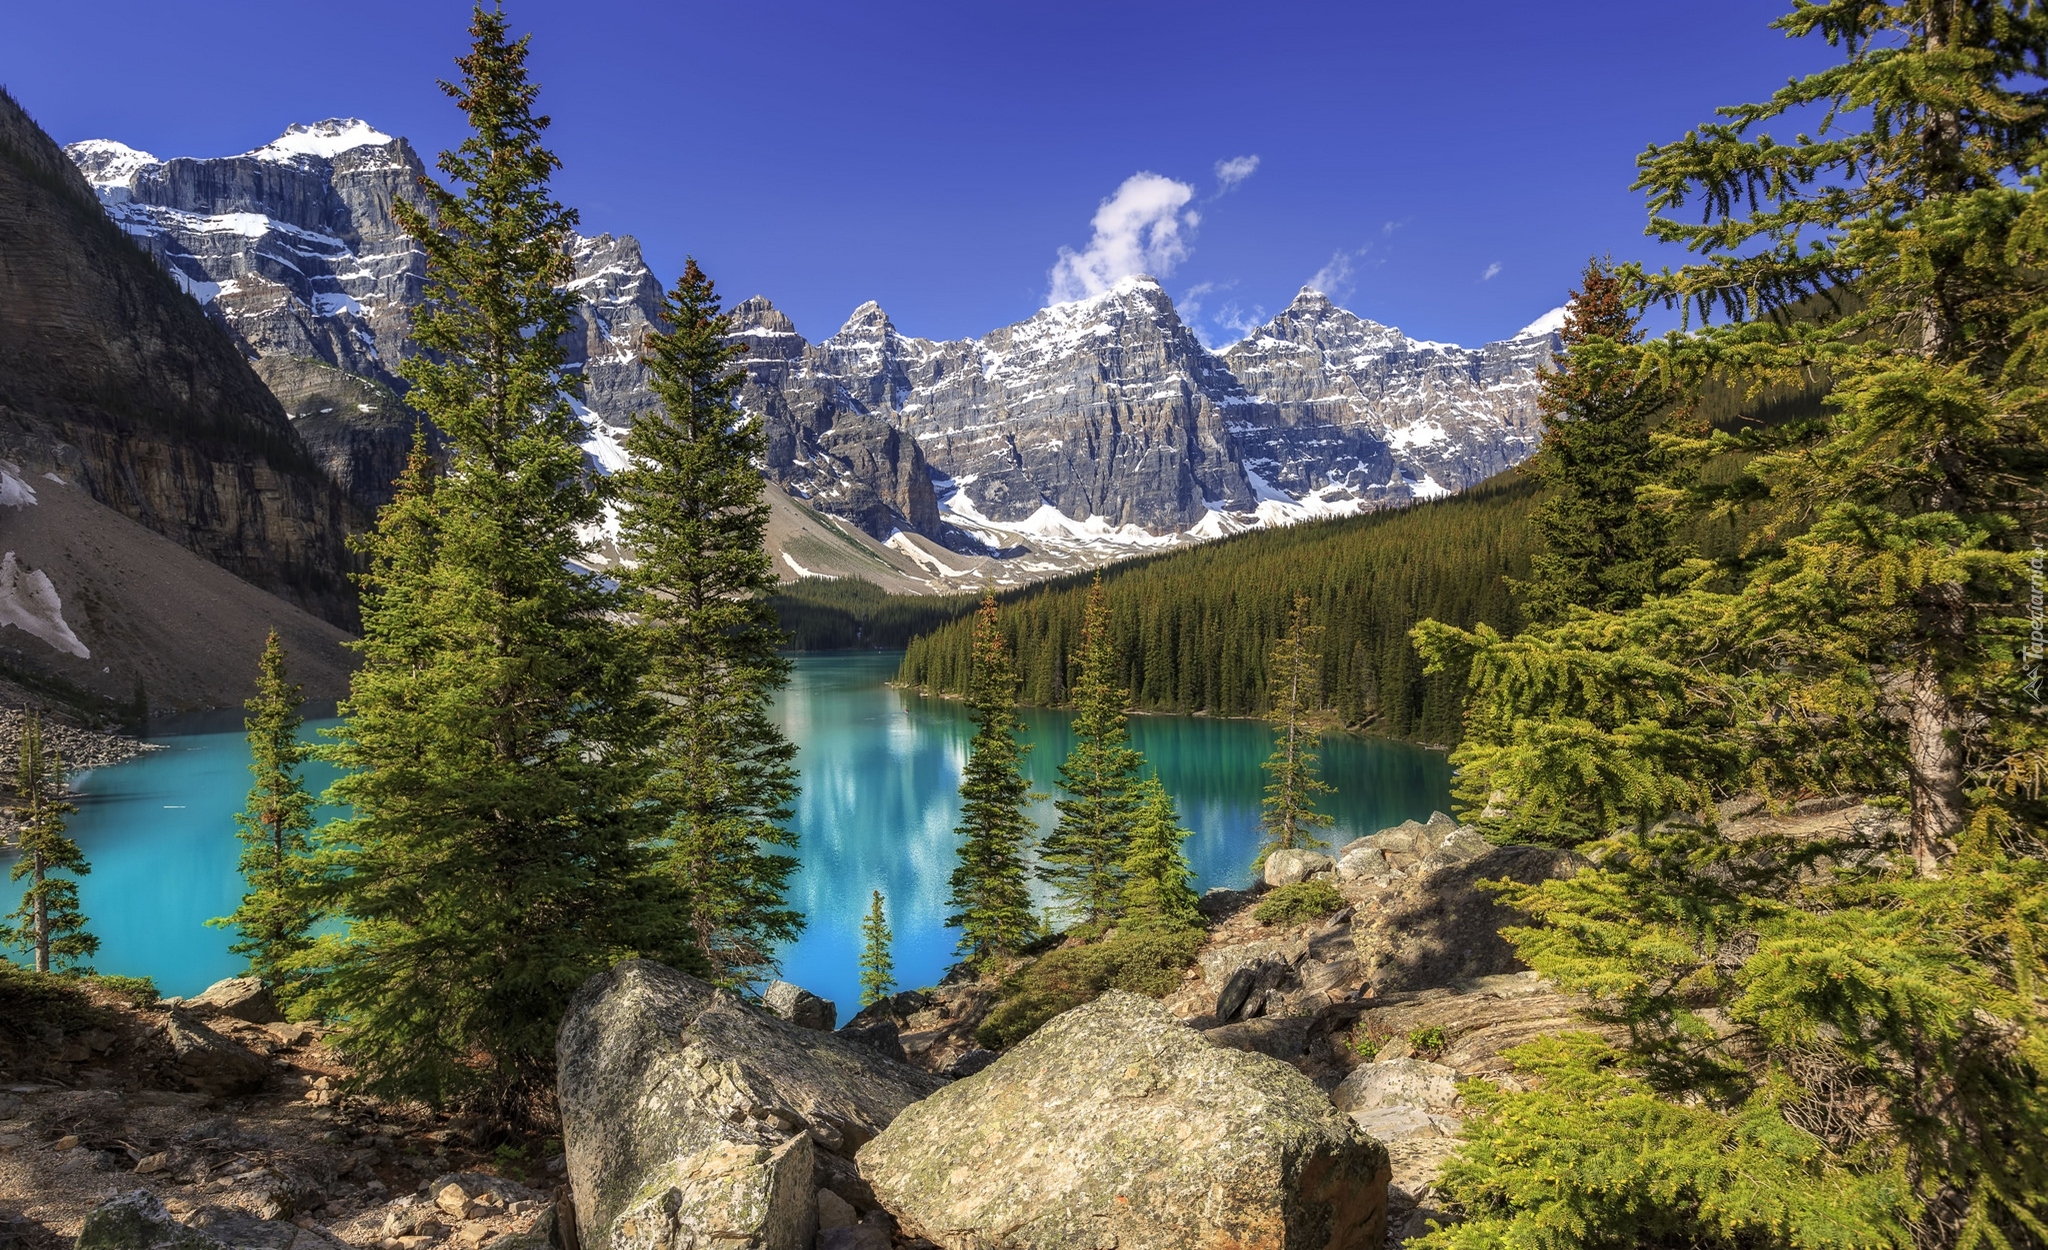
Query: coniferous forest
{"points": [[1193, 630]]}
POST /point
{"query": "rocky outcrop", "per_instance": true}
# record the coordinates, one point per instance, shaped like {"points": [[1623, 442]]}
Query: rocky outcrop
{"points": [[1440, 926], [203, 1060], [111, 377], [933, 1029], [1290, 867], [1115, 1125], [239, 998], [800, 1007], [687, 1111]]}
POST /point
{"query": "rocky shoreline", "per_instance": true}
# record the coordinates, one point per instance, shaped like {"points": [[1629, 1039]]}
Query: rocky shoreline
{"points": [[79, 748], [1300, 1088]]}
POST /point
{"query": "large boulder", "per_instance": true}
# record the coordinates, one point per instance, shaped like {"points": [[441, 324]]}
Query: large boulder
{"points": [[688, 1113], [240, 998], [1114, 1125], [207, 1062], [1289, 867]]}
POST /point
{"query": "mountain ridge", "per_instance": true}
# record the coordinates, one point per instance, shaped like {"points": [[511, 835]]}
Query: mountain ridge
{"points": [[1088, 431]]}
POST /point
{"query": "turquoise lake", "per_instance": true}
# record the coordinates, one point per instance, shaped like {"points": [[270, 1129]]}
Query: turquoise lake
{"points": [[881, 768]]}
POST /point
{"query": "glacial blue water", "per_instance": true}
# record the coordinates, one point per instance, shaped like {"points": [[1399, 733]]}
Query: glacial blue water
{"points": [[880, 770]]}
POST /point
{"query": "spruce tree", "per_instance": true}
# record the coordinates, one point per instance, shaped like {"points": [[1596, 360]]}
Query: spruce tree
{"points": [[48, 925], [694, 523], [877, 966], [1159, 894], [1294, 679], [1604, 544], [1835, 1037], [496, 740], [1083, 857], [991, 900], [275, 917]]}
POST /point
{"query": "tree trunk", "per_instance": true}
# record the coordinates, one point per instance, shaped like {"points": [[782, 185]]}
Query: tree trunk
{"points": [[42, 920], [1934, 761]]}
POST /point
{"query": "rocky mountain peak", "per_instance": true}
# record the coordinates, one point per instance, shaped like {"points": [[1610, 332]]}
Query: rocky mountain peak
{"points": [[322, 140]]}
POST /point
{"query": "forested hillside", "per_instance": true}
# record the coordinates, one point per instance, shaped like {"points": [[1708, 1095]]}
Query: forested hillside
{"points": [[1193, 629]]}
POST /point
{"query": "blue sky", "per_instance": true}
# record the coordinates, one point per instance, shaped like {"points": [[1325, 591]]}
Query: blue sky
{"points": [[1443, 167]]}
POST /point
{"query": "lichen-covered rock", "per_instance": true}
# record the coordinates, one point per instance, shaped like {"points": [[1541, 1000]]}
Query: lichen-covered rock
{"points": [[138, 1221], [731, 1195], [1114, 1125], [1399, 1082], [1290, 867], [800, 1007], [671, 1087]]}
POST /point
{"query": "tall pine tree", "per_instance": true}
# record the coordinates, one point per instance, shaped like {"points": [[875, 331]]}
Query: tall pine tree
{"points": [[496, 737], [1604, 543], [991, 900], [1083, 857], [877, 965], [1832, 1037], [275, 918], [1294, 678], [48, 925], [694, 522], [1159, 894]]}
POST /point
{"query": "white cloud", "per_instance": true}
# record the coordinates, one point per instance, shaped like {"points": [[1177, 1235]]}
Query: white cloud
{"points": [[1190, 304], [1491, 270], [1235, 170], [1137, 230], [1235, 318], [1334, 278]]}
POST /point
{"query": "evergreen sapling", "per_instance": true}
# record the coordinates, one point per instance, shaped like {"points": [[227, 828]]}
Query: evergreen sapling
{"points": [[275, 917], [991, 901], [1159, 894], [1083, 857], [1294, 678], [48, 925], [877, 966]]}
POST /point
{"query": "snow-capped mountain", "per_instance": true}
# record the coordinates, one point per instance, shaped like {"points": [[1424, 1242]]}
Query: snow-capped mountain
{"points": [[1088, 431], [1104, 427], [295, 247]]}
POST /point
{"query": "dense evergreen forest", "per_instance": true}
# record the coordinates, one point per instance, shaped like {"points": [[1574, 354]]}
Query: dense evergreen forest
{"points": [[847, 614], [1193, 629]]}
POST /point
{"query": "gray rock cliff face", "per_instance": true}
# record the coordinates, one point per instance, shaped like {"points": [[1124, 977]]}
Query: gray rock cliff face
{"points": [[295, 247], [1351, 409], [110, 375]]}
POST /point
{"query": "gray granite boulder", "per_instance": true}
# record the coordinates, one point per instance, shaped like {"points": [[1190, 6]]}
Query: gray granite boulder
{"points": [[688, 1112], [240, 998], [800, 1007], [1289, 867], [1115, 1125]]}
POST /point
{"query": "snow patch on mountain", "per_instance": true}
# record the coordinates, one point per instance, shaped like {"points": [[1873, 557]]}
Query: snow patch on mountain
{"points": [[325, 140], [30, 603]]}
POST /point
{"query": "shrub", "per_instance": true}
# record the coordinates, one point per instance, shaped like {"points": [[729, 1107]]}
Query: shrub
{"points": [[1304, 900], [1143, 963], [135, 991], [1429, 1041]]}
